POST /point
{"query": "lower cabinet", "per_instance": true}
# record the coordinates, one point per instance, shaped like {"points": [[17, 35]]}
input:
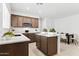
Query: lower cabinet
{"points": [[31, 36], [48, 45], [44, 45], [16, 49], [38, 41]]}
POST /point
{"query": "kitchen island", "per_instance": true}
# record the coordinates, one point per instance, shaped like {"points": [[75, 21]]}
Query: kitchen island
{"points": [[47, 43], [15, 46]]}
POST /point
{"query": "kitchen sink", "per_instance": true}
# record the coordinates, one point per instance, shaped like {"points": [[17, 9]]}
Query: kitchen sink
{"points": [[17, 35]]}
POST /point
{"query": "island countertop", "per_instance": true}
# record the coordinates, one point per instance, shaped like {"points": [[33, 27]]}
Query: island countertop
{"points": [[47, 34], [14, 39]]}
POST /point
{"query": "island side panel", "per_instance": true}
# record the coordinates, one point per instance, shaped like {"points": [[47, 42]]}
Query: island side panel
{"points": [[52, 45], [16, 49]]}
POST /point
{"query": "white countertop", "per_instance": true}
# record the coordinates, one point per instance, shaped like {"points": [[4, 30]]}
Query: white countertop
{"points": [[14, 39], [47, 34]]}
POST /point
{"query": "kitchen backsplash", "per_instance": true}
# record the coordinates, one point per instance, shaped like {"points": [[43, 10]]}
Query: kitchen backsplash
{"points": [[22, 30]]}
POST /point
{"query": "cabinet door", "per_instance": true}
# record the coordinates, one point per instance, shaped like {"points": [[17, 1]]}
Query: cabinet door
{"points": [[26, 20], [16, 49], [32, 37], [14, 21], [38, 41], [35, 23], [52, 45], [20, 21], [26, 34], [44, 44], [6, 50], [20, 49]]}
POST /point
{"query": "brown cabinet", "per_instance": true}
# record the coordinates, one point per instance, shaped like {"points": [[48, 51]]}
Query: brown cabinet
{"points": [[31, 36], [44, 45], [26, 20], [5, 50], [35, 23], [16, 49], [38, 41], [14, 20], [48, 45], [52, 45], [18, 21]]}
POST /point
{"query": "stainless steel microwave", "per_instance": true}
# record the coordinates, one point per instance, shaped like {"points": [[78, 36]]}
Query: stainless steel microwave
{"points": [[27, 25]]}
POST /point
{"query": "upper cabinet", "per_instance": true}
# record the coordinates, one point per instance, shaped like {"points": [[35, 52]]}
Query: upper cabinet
{"points": [[20, 21], [24, 21], [14, 21], [35, 23]]}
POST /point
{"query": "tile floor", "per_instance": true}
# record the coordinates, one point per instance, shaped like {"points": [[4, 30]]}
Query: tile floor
{"points": [[66, 50]]}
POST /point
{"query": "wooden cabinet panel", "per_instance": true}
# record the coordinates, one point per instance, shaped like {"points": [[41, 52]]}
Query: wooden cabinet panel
{"points": [[16, 49], [14, 21], [35, 23], [20, 21], [52, 45], [48, 45], [26, 34], [5, 50], [44, 44], [20, 49], [26, 20], [38, 41], [31, 36]]}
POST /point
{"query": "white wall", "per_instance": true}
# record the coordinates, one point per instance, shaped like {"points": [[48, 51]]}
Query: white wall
{"points": [[1, 13], [43, 24], [8, 5], [6, 16], [68, 24], [47, 23]]}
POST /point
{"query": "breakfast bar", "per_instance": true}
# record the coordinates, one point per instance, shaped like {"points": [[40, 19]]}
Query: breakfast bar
{"points": [[15, 46]]}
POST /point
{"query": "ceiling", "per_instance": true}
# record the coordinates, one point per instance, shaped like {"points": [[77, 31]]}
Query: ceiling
{"points": [[50, 10]]}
